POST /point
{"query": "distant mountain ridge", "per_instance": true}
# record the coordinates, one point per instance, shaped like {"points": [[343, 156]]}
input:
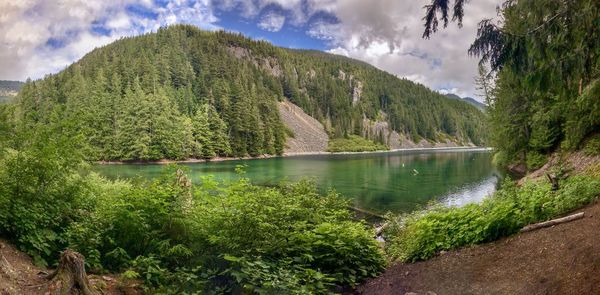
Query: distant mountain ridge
{"points": [[468, 99], [183, 92]]}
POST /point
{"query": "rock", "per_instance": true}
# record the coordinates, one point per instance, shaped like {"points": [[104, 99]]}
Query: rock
{"points": [[309, 133], [357, 92], [341, 75]]}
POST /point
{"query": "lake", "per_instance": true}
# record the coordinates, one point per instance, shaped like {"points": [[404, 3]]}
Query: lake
{"points": [[399, 181]]}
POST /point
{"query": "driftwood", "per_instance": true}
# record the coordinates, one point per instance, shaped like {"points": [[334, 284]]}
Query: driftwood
{"points": [[70, 276], [552, 222]]}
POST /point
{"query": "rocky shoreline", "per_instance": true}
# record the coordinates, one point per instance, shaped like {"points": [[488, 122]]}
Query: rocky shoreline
{"points": [[291, 154]]}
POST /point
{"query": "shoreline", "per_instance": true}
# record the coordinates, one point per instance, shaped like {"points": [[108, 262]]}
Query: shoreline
{"points": [[286, 155]]}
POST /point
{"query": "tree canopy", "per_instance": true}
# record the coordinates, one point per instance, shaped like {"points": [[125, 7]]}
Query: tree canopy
{"points": [[544, 55]]}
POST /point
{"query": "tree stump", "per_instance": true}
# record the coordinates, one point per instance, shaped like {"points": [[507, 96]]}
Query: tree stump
{"points": [[70, 277]]}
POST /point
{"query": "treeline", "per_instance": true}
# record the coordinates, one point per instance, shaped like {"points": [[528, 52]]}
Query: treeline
{"points": [[547, 94], [182, 92]]}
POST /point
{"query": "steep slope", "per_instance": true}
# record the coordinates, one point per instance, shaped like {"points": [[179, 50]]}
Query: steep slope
{"points": [[308, 134], [182, 92]]}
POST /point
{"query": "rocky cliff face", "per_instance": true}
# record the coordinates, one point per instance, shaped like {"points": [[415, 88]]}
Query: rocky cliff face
{"points": [[309, 135], [380, 130]]}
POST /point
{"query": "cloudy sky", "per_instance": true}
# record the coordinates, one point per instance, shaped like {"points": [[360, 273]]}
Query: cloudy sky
{"points": [[39, 37]]}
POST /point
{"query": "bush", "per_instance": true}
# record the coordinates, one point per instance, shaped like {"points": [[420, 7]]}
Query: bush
{"points": [[536, 160], [592, 146], [40, 190], [421, 235], [231, 237], [354, 143]]}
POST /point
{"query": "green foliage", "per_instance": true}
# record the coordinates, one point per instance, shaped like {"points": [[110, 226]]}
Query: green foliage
{"points": [[536, 160], [148, 97], [227, 237], [592, 146], [421, 235], [178, 238], [354, 143], [545, 54], [40, 190]]}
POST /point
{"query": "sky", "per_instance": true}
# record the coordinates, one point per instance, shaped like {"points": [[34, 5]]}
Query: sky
{"points": [[40, 37]]}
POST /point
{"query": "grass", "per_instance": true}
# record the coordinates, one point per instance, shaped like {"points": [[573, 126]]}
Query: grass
{"points": [[354, 143]]}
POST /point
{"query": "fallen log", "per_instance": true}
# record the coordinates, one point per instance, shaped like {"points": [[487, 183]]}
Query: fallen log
{"points": [[552, 222]]}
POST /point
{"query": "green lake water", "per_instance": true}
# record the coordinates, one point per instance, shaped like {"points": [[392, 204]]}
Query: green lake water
{"points": [[396, 181]]}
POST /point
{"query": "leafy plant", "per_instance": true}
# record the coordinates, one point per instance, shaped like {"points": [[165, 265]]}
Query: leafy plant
{"points": [[354, 143], [423, 234]]}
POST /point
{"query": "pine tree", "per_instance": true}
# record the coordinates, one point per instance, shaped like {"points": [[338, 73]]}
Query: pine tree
{"points": [[203, 135], [219, 139], [133, 125]]}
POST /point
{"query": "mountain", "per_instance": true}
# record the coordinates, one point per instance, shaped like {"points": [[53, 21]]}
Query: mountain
{"points": [[467, 99], [9, 89], [183, 92]]}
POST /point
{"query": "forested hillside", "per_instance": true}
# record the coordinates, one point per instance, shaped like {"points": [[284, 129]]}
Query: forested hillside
{"points": [[182, 92]]}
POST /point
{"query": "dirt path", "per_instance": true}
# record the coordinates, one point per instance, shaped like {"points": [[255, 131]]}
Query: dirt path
{"points": [[564, 259]]}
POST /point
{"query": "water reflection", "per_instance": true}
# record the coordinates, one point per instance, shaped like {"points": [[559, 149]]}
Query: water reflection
{"points": [[397, 182]]}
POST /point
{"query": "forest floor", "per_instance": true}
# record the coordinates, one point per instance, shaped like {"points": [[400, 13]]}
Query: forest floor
{"points": [[18, 275], [563, 259]]}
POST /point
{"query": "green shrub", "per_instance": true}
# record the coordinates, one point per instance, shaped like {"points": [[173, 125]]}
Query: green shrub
{"points": [[231, 237], [354, 143], [592, 146], [40, 190], [421, 235], [536, 160]]}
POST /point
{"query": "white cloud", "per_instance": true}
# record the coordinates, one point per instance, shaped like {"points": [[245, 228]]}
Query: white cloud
{"points": [[323, 30], [27, 26], [272, 22], [385, 33]]}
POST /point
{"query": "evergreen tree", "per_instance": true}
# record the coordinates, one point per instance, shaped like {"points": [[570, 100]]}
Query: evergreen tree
{"points": [[203, 135]]}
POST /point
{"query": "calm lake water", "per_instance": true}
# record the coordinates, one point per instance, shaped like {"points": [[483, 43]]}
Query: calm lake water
{"points": [[396, 181]]}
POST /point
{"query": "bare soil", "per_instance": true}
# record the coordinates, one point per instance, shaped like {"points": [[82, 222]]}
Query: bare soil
{"points": [[572, 163], [18, 275], [563, 259]]}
